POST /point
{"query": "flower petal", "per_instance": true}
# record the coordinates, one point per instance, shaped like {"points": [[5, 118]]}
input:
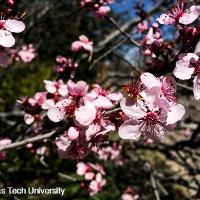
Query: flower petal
{"points": [[190, 15], [130, 109], [55, 114], [183, 70], [130, 130], [175, 114], [6, 39], [14, 26], [149, 80]]}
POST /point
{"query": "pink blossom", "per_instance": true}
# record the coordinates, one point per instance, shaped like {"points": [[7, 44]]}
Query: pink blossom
{"points": [[27, 53], [82, 168], [72, 133], [29, 119], [8, 26], [77, 89], [84, 43], [97, 184], [142, 26], [63, 63], [103, 11], [57, 113], [102, 98], [188, 65], [85, 115], [150, 116], [54, 86], [178, 14]]}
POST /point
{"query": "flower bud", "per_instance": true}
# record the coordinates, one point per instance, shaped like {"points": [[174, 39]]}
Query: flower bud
{"points": [[190, 32], [155, 47]]}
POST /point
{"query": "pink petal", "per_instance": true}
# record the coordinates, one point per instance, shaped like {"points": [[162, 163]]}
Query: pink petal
{"points": [[130, 109], [103, 102], [6, 39], [83, 38], [196, 87], [14, 25], [81, 168], [92, 130], [55, 114], [175, 114], [149, 80], [85, 115], [166, 19], [63, 91], [183, 70], [76, 46], [29, 119], [130, 130], [72, 133], [115, 97], [190, 15], [50, 86], [81, 88]]}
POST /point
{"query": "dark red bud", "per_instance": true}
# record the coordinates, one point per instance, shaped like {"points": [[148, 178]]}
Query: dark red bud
{"points": [[155, 47], [190, 32]]}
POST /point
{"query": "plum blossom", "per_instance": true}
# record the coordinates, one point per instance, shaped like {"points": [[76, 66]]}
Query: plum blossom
{"points": [[82, 43], [151, 115], [130, 194], [178, 14], [94, 176], [6, 28], [63, 63], [188, 65], [57, 112], [109, 152], [27, 53], [102, 98], [142, 26], [77, 89], [100, 7], [56, 86]]}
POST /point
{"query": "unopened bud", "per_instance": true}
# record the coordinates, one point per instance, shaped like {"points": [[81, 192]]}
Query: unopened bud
{"points": [[190, 32], [155, 47]]}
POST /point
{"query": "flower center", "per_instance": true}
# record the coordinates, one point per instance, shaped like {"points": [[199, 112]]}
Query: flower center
{"points": [[133, 89], [151, 117]]}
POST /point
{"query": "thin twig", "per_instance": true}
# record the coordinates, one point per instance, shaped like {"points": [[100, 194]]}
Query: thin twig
{"points": [[66, 177], [125, 60], [114, 23], [184, 86], [28, 140], [107, 53]]}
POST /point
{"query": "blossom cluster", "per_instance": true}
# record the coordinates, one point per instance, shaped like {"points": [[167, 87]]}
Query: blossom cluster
{"points": [[94, 177], [85, 110], [100, 7], [7, 27], [111, 152], [150, 108], [64, 64]]}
